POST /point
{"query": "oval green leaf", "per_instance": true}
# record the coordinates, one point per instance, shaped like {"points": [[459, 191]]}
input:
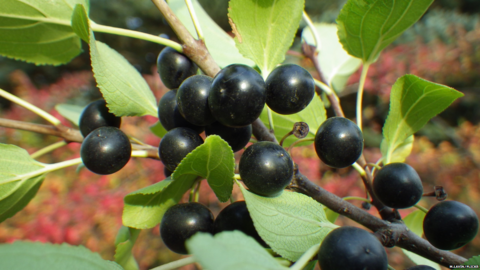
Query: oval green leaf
{"points": [[16, 201], [314, 115], [40, 256], [231, 250], [413, 102], [290, 223], [366, 27], [39, 31], [264, 29]]}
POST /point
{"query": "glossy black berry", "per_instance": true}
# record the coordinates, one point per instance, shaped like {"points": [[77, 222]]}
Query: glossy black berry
{"points": [[96, 115], [169, 115], [289, 88], [420, 267], [174, 67], [450, 225], [266, 168], [398, 185], [351, 248], [237, 96], [237, 138], [236, 217], [182, 221], [192, 96], [338, 142], [176, 145], [105, 150]]}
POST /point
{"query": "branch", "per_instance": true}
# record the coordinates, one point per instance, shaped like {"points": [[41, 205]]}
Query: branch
{"points": [[67, 133], [390, 234]]}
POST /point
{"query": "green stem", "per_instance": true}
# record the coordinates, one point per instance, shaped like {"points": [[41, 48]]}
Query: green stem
{"points": [[374, 165], [48, 149], [237, 177], [421, 208], [196, 23], [324, 87], [310, 25], [135, 34], [348, 198], [390, 268], [176, 264], [361, 85], [359, 169], [50, 118], [306, 257], [140, 153]]}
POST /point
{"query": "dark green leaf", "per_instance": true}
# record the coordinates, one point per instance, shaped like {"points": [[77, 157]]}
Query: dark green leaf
{"points": [[413, 102], [264, 29], [475, 260], [124, 242], [158, 130], [366, 27], [16, 201], [40, 256], [39, 31]]}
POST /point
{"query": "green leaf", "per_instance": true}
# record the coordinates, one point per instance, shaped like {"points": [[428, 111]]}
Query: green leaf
{"points": [[413, 102], [123, 87], [220, 45], [336, 64], [124, 242], [16, 201], [231, 250], [311, 265], [314, 115], [401, 152], [69, 111], [264, 29], [414, 221], [80, 23], [366, 27], [475, 260], [331, 215], [16, 167], [213, 160], [39, 31], [290, 223], [158, 130], [40, 256]]}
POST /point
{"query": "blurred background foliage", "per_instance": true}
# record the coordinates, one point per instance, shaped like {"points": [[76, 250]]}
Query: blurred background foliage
{"points": [[84, 208]]}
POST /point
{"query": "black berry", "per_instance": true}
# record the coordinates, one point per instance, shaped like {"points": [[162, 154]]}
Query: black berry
{"points": [[174, 67], [398, 185], [192, 96], [450, 225], [169, 115], [266, 168], [338, 142], [237, 138], [237, 96], [105, 150], [289, 88], [182, 221], [351, 248], [176, 145], [96, 115]]}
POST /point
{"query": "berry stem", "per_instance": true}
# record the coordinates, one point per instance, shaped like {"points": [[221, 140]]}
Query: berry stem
{"points": [[196, 23], [305, 258], [359, 169], [48, 149], [135, 34], [176, 264], [356, 198], [50, 118], [421, 208], [361, 86], [310, 25]]}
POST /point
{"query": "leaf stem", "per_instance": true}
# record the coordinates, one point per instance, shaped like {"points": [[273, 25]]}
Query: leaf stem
{"points": [[195, 20], [50, 118], [135, 34], [348, 198], [361, 86], [316, 38], [305, 258], [359, 169], [48, 149], [421, 208], [176, 264]]}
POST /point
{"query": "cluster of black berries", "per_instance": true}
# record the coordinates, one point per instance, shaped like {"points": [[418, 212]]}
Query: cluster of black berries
{"points": [[182, 221], [105, 149]]}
